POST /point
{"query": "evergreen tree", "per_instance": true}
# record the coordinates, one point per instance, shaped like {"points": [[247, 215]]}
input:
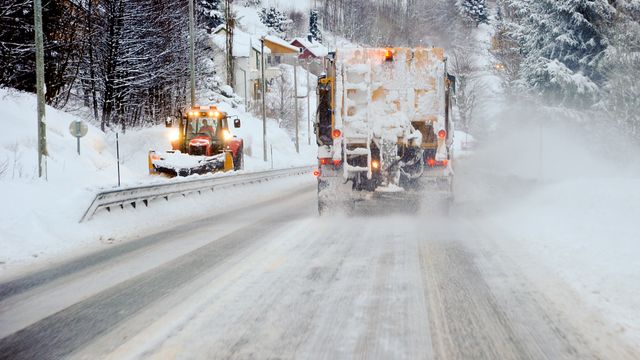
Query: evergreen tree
{"points": [[621, 66], [569, 45], [475, 10], [211, 13], [561, 43], [274, 19], [314, 28]]}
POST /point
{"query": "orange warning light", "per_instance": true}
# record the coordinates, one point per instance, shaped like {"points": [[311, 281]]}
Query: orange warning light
{"points": [[388, 55]]}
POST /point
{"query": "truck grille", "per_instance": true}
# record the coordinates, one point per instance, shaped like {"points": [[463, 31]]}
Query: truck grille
{"points": [[197, 150]]}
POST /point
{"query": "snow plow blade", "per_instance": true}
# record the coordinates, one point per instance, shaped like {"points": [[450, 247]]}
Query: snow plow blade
{"points": [[174, 164]]}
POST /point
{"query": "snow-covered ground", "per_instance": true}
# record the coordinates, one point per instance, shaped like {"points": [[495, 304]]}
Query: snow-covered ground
{"points": [[558, 199], [585, 230], [567, 213], [560, 205], [39, 218]]}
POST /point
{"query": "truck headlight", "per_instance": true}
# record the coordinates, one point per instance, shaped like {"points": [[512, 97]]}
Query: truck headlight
{"points": [[174, 135], [226, 135]]}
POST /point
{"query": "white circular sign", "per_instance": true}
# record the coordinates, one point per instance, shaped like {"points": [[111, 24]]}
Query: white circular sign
{"points": [[78, 129]]}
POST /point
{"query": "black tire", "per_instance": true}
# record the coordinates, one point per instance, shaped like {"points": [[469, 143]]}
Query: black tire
{"points": [[238, 162], [322, 207], [324, 193]]}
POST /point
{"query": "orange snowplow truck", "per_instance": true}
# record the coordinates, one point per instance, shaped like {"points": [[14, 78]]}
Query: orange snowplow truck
{"points": [[384, 125], [202, 142]]}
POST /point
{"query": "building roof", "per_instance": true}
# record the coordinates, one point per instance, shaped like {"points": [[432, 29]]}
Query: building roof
{"points": [[242, 41], [314, 47], [282, 43]]}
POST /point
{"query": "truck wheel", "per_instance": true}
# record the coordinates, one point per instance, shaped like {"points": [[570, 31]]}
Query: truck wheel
{"points": [[322, 207], [325, 195], [238, 162]]}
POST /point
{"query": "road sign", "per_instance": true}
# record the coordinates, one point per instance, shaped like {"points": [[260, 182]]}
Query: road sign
{"points": [[78, 129]]}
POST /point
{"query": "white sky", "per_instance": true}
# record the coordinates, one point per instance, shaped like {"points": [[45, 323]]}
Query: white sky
{"points": [[289, 4]]}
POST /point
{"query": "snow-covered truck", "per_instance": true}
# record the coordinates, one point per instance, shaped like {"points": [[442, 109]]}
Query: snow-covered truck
{"points": [[201, 142], [384, 126]]}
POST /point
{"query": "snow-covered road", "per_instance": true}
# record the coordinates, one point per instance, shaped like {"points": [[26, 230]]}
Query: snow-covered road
{"points": [[273, 280]]}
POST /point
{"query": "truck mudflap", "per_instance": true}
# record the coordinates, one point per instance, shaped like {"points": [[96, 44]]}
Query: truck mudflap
{"points": [[431, 195]]}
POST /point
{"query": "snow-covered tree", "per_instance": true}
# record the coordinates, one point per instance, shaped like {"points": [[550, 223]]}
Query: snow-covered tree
{"points": [[252, 3], [474, 10], [561, 43], [314, 26], [281, 99], [275, 19], [211, 13], [17, 51], [621, 66]]}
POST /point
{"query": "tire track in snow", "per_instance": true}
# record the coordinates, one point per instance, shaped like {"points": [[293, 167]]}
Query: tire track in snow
{"points": [[60, 334]]}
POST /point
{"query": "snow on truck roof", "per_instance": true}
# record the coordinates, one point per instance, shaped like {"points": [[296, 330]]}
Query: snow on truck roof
{"points": [[362, 53], [384, 90]]}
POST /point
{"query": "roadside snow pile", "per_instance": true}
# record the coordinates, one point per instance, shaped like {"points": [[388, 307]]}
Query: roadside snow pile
{"points": [[36, 213], [567, 211], [18, 144], [39, 217], [587, 231]]}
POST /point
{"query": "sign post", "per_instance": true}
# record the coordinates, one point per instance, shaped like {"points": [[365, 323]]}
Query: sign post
{"points": [[78, 129], [118, 156]]}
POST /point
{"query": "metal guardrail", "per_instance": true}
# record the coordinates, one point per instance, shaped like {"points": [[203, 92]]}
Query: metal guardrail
{"points": [[132, 196]]}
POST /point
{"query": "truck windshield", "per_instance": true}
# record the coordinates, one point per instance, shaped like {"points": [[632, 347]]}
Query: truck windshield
{"points": [[202, 126]]}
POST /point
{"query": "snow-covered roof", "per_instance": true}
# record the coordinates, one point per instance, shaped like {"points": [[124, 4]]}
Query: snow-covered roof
{"points": [[276, 40], [315, 47], [242, 41]]}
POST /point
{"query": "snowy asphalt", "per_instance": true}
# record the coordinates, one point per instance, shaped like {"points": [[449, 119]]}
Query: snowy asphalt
{"points": [[276, 281]]}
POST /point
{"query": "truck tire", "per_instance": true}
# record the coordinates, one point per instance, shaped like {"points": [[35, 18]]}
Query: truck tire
{"points": [[322, 207], [238, 162]]}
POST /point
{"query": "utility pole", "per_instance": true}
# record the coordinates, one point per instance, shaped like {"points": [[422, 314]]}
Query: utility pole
{"points": [[295, 96], [42, 126], [264, 100], [308, 104], [192, 55], [230, 24]]}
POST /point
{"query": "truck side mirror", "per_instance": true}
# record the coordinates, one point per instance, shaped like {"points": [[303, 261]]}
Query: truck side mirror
{"points": [[168, 122], [452, 80], [236, 123]]}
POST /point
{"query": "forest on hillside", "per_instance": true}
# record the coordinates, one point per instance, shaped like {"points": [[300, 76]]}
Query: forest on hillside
{"points": [[577, 55], [127, 60]]}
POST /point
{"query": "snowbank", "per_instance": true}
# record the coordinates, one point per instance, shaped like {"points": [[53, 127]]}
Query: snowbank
{"points": [[565, 210], [36, 214], [586, 231], [40, 218]]}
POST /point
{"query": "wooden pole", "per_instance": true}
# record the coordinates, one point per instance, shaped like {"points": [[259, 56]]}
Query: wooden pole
{"points": [[264, 101], [192, 55], [40, 87]]}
